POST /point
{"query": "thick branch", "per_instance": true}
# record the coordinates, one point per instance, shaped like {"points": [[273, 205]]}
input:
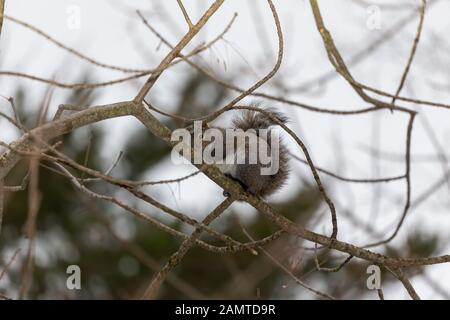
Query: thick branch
{"points": [[57, 128]]}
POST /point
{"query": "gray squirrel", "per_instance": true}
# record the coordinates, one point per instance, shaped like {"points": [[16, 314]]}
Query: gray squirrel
{"points": [[255, 125]]}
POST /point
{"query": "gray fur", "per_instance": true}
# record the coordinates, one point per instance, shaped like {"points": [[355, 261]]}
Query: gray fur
{"points": [[249, 175]]}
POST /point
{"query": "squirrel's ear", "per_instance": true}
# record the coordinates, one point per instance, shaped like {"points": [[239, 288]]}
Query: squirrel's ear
{"points": [[279, 115]]}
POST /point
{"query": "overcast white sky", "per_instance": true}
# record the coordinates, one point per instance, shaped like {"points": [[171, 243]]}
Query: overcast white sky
{"points": [[111, 32]]}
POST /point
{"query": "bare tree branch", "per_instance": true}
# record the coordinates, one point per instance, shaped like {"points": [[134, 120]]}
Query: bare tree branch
{"points": [[9, 263], [406, 283], [2, 202], [413, 50], [34, 202], [36, 144], [175, 52], [185, 14], [289, 273], [153, 289], [2, 10]]}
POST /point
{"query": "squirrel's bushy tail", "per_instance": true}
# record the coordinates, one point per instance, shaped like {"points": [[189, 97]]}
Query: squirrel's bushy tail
{"points": [[251, 119]]}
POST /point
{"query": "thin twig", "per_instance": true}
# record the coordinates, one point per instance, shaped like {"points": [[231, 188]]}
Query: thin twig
{"points": [[2, 202], [345, 179], [14, 109], [276, 98], [335, 269], [408, 185], [413, 50], [175, 52], [312, 167], [337, 61], [234, 247], [153, 289], [2, 296], [185, 14], [78, 86], [109, 170], [288, 272], [137, 251], [2, 9], [398, 273]]}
